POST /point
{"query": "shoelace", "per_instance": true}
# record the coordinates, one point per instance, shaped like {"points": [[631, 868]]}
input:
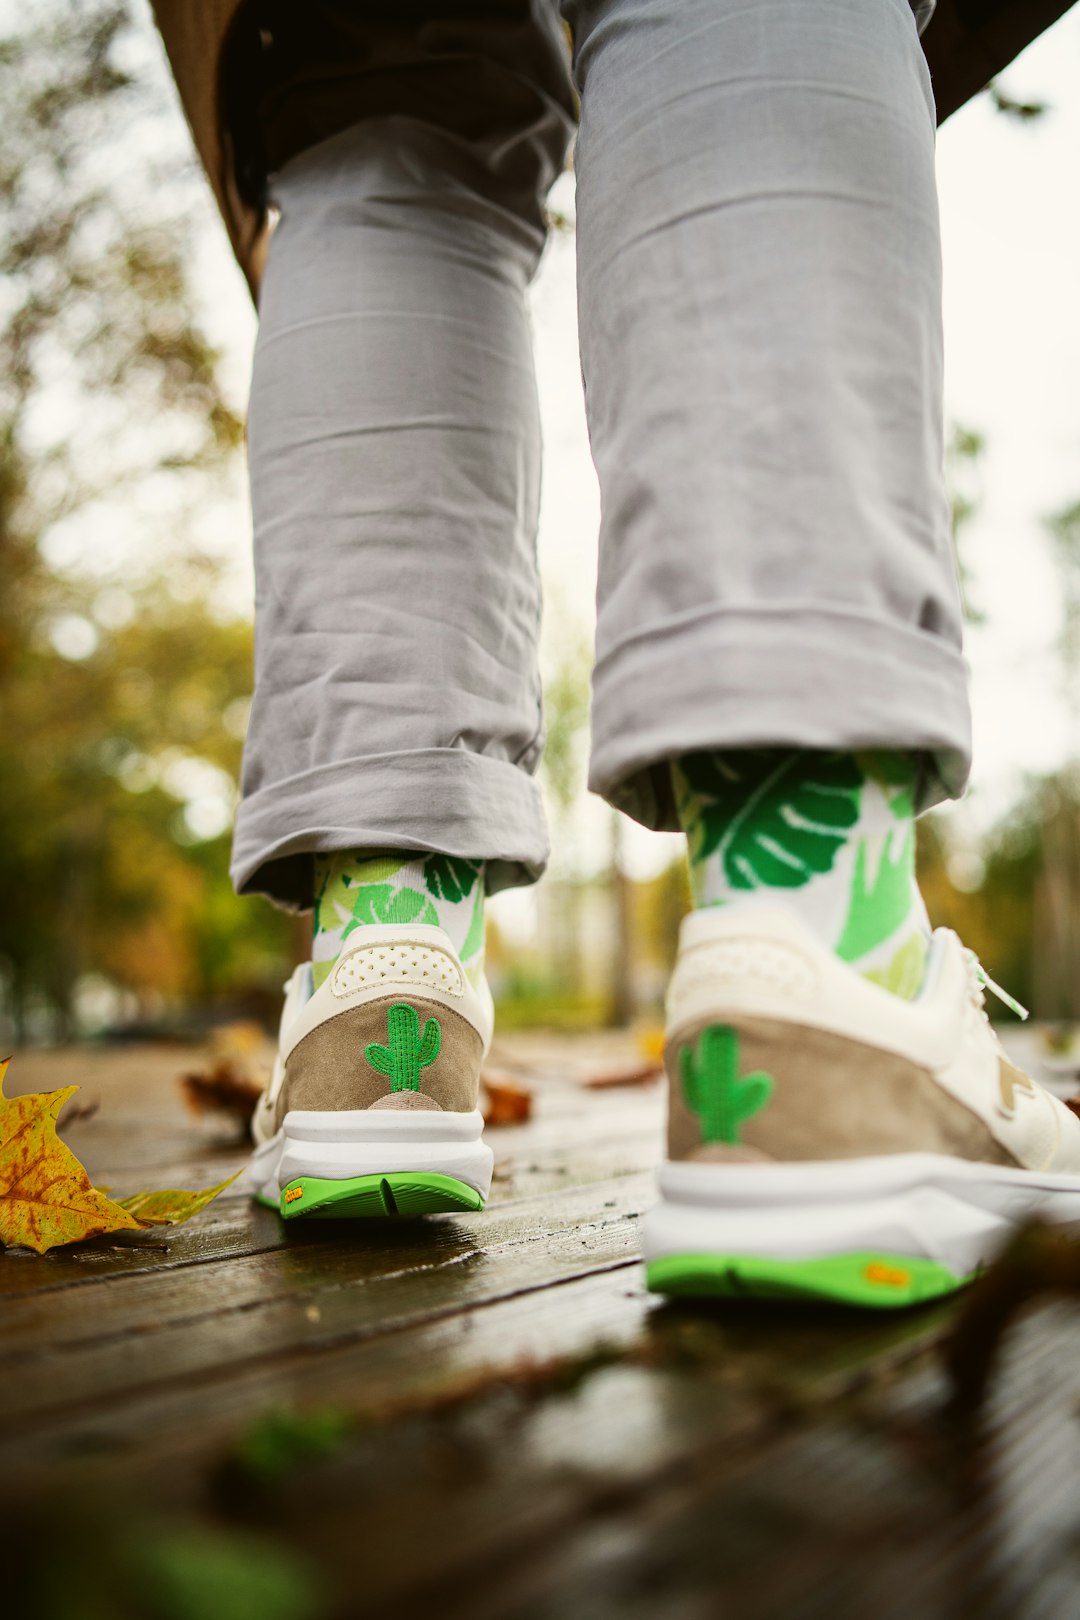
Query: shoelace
{"points": [[981, 981]]}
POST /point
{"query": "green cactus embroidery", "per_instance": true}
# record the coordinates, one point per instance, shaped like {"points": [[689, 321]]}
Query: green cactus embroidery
{"points": [[713, 1088], [407, 1052]]}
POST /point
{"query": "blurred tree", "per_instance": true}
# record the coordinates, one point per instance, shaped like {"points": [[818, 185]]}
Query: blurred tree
{"points": [[566, 717], [1024, 112], [986, 896], [659, 905], [562, 770], [1053, 806], [623, 956], [1063, 527], [117, 677], [964, 451]]}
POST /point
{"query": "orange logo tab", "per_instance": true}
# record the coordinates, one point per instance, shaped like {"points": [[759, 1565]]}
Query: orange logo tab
{"points": [[887, 1276], [293, 1193]]}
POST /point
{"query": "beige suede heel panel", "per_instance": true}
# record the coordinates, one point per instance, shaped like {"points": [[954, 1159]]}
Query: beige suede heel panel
{"points": [[405, 1100], [329, 1069], [833, 1098]]}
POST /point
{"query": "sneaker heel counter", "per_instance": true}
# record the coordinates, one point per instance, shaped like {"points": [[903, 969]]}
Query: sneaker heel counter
{"points": [[768, 974], [791, 1092], [396, 1046]]}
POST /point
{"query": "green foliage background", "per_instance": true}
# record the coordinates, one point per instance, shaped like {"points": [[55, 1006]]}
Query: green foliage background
{"points": [[117, 677]]}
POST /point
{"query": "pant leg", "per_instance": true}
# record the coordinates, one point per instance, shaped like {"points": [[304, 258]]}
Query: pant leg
{"points": [[394, 449], [760, 316]]}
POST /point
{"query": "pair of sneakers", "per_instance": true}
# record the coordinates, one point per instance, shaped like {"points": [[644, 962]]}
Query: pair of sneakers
{"points": [[826, 1139]]}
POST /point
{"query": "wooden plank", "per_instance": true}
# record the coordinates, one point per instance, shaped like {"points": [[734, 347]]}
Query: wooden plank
{"points": [[437, 1361], [144, 1136], [234, 1226], [564, 1443], [416, 1363], [157, 1328], [227, 1229], [314, 1257], [682, 1488], [875, 1508], [784, 1363]]}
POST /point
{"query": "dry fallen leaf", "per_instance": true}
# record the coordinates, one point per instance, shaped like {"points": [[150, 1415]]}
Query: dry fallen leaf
{"points": [[171, 1206], [78, 1114], [507, 1102], [237, 1075], [46, 1196], [641, 1075], [242, 1038], [222, 1089]]}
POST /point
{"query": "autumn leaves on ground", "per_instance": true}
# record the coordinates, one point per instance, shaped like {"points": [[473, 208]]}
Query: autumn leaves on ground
{"points": [[46, 1196]]}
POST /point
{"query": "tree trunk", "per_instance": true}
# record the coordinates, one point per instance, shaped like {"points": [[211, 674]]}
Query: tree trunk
{"points": [[622, 964]]}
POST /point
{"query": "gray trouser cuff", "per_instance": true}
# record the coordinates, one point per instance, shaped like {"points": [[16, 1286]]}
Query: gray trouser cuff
{"points": [[443, 800], [806, 677]]}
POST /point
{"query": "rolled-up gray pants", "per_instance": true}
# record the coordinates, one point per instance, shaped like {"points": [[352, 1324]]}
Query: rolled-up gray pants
{"points": [[759, 291]]}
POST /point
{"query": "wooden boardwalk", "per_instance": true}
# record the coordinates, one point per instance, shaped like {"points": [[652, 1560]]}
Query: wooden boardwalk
{"points": [[489, 1414]]}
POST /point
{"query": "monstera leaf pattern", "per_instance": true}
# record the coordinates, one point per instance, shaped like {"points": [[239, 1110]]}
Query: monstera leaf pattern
{"points": [[774, 818], [896, 776], [355, 890], [450, 877], [337, 883], [382, 903], [881, 903]]}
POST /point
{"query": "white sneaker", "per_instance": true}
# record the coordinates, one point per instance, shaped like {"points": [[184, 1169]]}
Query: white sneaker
{"points": [[828, 1139], [372, 1108]]}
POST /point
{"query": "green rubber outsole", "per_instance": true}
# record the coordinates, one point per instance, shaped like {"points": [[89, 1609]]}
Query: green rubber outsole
{"points": [[402, 1192], [883, 1281]]}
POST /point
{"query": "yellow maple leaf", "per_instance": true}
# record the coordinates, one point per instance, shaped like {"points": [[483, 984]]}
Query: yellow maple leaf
{"points": [[46, 1196]]}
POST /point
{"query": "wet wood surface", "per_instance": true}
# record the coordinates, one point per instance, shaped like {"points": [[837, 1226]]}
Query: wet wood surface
{"points": [[523, 1429]]}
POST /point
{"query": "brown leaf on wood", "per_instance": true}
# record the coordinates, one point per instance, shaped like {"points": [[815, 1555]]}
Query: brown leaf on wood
{"points": [[242, 1039], [222, 1089], [643, 1074], [1073, 1104], [506, 1101], [236, 1076], [76, 1114]]}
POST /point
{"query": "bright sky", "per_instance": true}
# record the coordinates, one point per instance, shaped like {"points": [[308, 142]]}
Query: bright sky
{"points": [[1011, 235], [1011, 231]]}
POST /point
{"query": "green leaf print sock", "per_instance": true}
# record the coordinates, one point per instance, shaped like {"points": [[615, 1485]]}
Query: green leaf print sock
{"points": [[362, 888], [832, 835]]}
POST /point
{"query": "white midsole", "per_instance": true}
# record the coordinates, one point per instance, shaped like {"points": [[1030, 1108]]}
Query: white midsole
{"points": [[335, 1146], [923, 1205]]}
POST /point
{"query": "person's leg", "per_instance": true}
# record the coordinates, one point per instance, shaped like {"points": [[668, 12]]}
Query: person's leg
{"points": [[760, 304], [395, 454], [831, 834], [394, 451], [779, 618]]}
